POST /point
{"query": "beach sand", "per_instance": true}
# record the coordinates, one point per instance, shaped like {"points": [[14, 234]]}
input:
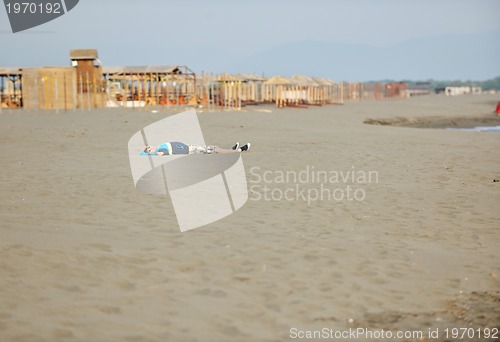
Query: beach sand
{"points": [[85, 257]]}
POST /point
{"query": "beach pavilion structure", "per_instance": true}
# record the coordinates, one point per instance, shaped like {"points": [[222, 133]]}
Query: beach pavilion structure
{"points": [[232, 91], [275, 90], [301, 91], [295, 91], [307, 90], [228, 90], [137, 86], [251, 88], [206, 89], [330, 91]]}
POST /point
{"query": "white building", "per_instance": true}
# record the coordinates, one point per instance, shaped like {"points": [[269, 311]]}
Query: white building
{"points": [[454, 91]]}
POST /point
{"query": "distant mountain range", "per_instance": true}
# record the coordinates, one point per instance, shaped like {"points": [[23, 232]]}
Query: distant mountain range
{"points": [[449, 57], [457, 56]]}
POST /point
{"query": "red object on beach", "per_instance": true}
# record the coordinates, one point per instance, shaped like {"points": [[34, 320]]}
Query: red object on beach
{"points": [[498, 109]]}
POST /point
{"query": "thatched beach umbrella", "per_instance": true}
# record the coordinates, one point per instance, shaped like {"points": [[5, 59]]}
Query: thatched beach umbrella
{"points": [[251, 86], [309, 88], [276, 87]]}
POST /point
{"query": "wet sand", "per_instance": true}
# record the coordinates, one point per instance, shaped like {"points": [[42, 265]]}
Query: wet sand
{"points": [[85, 257], [439, 121]]}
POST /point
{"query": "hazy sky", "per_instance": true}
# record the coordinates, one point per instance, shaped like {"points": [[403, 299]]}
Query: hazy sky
{"points": [[209, 35]]}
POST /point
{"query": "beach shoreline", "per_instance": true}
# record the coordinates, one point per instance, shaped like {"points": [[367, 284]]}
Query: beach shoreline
{"points": [[439, 122]]}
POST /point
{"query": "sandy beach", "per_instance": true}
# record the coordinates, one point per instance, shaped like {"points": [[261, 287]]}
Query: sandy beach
{"points": [[85, 257]]}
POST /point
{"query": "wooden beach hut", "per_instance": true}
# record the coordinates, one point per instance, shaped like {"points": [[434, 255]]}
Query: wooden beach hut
{"points": [[49, 88], [46, 88], [89, 82]]}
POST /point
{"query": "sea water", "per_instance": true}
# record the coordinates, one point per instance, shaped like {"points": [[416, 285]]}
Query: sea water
{"points": [[494, 129]]}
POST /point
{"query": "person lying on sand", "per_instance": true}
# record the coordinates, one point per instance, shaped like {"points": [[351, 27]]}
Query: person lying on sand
{"points": [[176, 147]]}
